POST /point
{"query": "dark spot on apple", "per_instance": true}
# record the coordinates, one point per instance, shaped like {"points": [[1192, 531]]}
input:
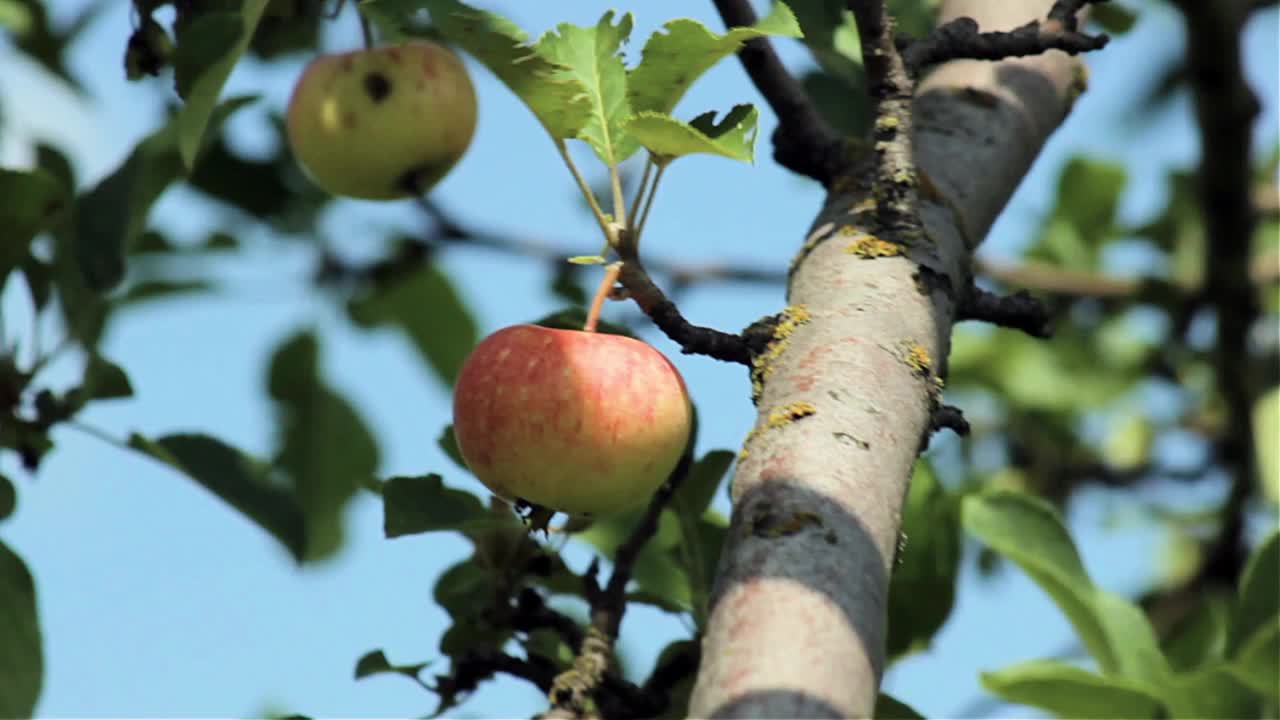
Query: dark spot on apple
{"points": [[349, 120], [377, 86]]}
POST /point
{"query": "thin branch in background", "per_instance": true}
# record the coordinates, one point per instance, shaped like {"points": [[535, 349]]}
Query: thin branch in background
{"points": [[803, 141], [1020, 311], [1225, 110]]}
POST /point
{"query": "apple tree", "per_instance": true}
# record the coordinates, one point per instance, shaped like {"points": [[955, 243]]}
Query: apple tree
{"points": [[912, 396]]}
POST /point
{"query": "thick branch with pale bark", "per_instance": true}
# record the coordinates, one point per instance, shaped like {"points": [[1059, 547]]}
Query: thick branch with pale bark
{"points": [[797, 619]]}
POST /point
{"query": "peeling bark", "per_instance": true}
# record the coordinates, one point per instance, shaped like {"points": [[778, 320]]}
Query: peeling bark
{"points": [[797, 623]]}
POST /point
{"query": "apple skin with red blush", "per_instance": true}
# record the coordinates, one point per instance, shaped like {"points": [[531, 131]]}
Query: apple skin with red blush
{"points": [[584, 423]]}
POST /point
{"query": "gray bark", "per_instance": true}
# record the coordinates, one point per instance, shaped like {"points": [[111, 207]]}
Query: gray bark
{"points": [[797, 623]]}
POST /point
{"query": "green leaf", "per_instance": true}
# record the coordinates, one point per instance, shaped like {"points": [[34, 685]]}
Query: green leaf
{"points": [[1258, 599], [831, 35], [427, 307], [574, 318], [922, 588], [733, 137], [1266, 432], [32, 200], [207, 52], [324, 446], [592, 57], [556, 96], [104, 379], [448, 442], [423, 503], [1113, 17], [1257, 664], [236, 479], [151, 290], [111, 216], [375, 662], [15, 17], [890, 708], [675, 653], [1028, 531], [682, 50], [8, 497], [21, 649], [1200, 637], [1071, 692], [699, 487]]}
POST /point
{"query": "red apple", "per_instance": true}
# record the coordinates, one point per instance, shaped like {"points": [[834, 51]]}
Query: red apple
{"points": [[581, 422], [382, 123]]}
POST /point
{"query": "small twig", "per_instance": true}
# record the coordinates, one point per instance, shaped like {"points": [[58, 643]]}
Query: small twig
{"points": [[468, 671], [951, 418], [961, 39], [572, 689], [693, 339], [803, 142], [1020, 311]]}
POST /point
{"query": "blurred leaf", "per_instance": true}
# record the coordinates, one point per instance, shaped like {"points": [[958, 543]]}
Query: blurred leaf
{"points": [[1200, 638], [556, 96], [288, 26], [1217, 692], [678, 696], [162, 290], [466, 591], [1128, 443], [699, 488], [1088, 194], [831, 34], [1028, 531], [375, 662], [1070, 692], [21, 654], [1257, 664], [564, 284], [844, 105], [15, 17], [922, 588], [237, 479], [8, 497], [592, 57], [427, 307], [257, 187], [207, 51], [1113, 17], [32, 200], [1266, 433], [448, 442], [890, 708], [104, 380], [112, 215], [1258, 601], [682, 50], [733, 137], [324, 446], [48, 45], [424, 504]]}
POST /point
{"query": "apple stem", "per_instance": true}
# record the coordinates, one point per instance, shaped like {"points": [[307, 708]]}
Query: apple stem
{"points": [[597, 303]]}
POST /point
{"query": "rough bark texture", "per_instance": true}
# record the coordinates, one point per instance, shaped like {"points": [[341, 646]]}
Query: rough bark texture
{"points": [[797, 625]]}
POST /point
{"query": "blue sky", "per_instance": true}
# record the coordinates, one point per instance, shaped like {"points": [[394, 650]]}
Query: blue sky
{"points": [[156, 599]]}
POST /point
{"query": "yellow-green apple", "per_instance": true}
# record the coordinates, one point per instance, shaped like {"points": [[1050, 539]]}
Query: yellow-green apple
{"points": [[382, 123], [581, 422]]}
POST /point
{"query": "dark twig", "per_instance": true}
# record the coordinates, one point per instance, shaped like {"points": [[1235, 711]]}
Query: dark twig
{"points": [[951, 418], [1021, 311], [469, 670], [803, 142], [586, 680], [693, 339], [960, 39]]}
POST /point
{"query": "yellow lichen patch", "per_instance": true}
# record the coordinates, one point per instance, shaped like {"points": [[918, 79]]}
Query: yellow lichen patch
{"points": [[784, 415], [903, 177], [917, 357], [887, 122], [865, 205], [791, 317], [744, 452], [870, 246]]}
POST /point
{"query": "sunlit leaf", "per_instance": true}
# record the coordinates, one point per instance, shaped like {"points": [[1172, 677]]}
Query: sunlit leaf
{"points": [[732, 137], [592, 57], [32, 200], [424, 504], [923, 585], [1071, 692], [1266, 431]]}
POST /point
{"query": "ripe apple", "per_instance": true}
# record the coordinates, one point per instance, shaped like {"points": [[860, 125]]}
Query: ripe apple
{"points": [[581, 422], [382, 123]]}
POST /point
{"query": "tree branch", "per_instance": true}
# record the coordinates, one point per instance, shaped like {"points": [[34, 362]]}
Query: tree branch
{"points": [[960, 39], [1020, 311], [803, 142]]}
